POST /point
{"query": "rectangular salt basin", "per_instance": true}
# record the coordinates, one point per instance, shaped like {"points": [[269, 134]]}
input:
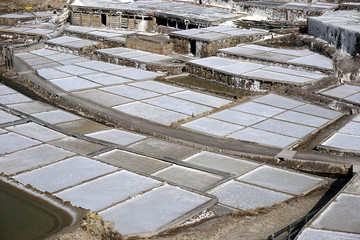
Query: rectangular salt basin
{"points": [[131, 92], [314, 60], [178, 105], [74, 83], [258, 109], [342, 91], [66, 173], [36, 131], [132, 161], [352, 128], [63, 39], [214, 62], [258, 47], [77, 145], [220, 28], [163, 148], [32, 157], [13, 142], [75, 70], [212, 126], [318, 111], [157, 87], [56, 116], [131, 54], [80, 44], [343, 142], [293, 52], [104, 34], [273, 56], [32, 107], [310, 234], [51, 73], [188, 177], [82, 126], [152, 58], [61, 57], [241, 51], [14, 98], [5, 90], [282, 180], [38, 61], [263, 137], [201, 98], [44, 52], [46, 65], [354, 98], [295, 72], [25, 56], [135, 74], [7, 117], [102, 97], [105, 191], [240, 68], [340, 215], [99, 66], [151, 113], [114, 50], [236, 117], [153, 210], [245, 197], [210, 36], [73, 60], [277, 77], [117, 136], [106, 79], [354, 186], [221, 162], [279, 101], [286, 128], [301, 118]]}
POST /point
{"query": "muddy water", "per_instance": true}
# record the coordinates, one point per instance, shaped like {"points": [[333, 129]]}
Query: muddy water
{"points": [[24, 216], [213, 87]]}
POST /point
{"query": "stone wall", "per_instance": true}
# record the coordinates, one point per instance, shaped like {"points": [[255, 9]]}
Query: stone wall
{"points": [[345, 39], [209, 48], [14, 21], [148, 46], [165, 67], [93, 18], [231, 80]]}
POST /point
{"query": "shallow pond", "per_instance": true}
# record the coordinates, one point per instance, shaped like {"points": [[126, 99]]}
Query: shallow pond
{"points": [[25, 216]]}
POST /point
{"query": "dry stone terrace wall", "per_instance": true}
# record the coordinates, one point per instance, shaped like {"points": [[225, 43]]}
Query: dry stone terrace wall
{"points": [[205, 42], [338, 29]]}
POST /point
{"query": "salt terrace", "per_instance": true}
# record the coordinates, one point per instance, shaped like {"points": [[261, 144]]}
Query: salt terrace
{"points": [[122, 141], [104, 156], [239, 73], [346, 92], [271, 120], [346, 139], [288, 57], [125, 89], [159, 9], [337, 220]]}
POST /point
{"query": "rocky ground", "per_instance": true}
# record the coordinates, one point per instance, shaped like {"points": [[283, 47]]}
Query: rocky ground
{"points": [[32, 5]]}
